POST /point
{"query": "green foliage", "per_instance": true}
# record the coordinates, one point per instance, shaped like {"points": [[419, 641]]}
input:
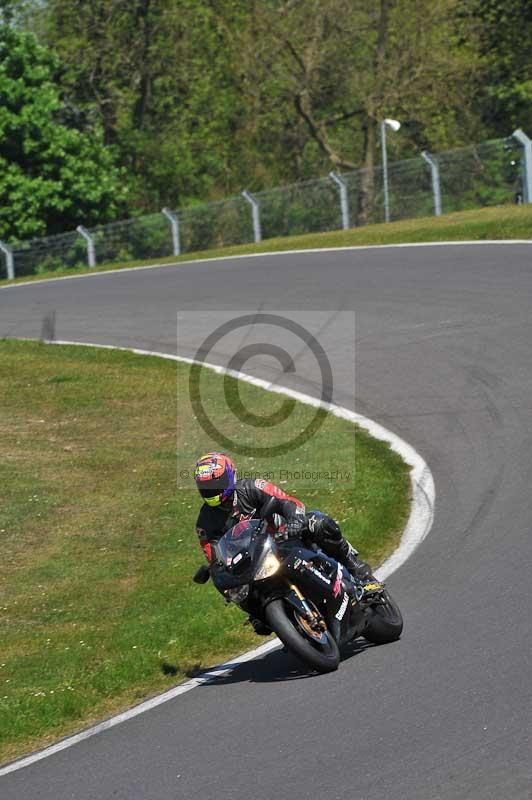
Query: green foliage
{"points": [[49, 264], [158, 77], [301, 208], [219, 224], [201, 99], [141, 237], [52, 176], [505, 46]]}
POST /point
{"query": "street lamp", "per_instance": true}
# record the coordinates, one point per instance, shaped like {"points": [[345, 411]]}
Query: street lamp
{"points": [[394, 125]]}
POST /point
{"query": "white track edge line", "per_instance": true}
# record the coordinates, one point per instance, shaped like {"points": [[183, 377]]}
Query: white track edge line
{"points": [[418, 526], [118, 271]]}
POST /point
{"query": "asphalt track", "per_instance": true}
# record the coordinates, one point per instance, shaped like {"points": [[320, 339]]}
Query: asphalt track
{"points": [[444, 339]]}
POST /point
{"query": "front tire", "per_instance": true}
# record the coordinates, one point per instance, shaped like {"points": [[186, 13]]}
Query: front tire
{"points": [[385, 621], [323, 656]]}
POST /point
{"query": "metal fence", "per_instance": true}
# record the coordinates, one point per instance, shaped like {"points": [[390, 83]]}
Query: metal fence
{"points": [[491, 173]]}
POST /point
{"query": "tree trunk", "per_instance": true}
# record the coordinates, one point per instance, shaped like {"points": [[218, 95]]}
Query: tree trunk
{"points": [[367, 181], [144, 21], [366, 195]]}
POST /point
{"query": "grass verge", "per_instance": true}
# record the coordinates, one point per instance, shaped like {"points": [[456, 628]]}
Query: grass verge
{"points": [[97, 609], [500, 222]]}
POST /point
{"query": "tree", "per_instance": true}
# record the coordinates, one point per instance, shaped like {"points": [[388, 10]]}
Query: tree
{"points": [[347, 64], [158, 78], [16, 11], [505, 36], [202, 97], [52, 176]]}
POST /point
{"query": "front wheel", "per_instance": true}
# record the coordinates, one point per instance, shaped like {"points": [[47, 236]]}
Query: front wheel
{"points": [[316, 648], [385, 621]]}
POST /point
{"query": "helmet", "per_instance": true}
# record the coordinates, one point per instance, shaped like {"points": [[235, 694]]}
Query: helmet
{"points": [[215, 476]]}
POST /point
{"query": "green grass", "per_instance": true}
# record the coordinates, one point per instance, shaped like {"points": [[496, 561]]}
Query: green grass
{"points": [[500, 222], [97, 608]]}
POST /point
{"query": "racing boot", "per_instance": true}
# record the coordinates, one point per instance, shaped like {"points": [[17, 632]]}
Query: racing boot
{"points": [[360, 571], [327, 533]]}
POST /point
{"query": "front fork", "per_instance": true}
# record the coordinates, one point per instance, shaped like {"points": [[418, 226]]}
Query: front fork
{"points": [[312, 617]]}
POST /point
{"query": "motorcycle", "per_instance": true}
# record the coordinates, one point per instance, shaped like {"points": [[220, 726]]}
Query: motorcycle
{"points": [[313, 604]]}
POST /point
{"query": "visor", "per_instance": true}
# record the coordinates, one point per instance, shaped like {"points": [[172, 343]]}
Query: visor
{"points": [[213, 501]]}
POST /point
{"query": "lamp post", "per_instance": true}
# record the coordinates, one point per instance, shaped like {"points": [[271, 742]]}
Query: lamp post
{"points": [[523, 139], [394, 125]]}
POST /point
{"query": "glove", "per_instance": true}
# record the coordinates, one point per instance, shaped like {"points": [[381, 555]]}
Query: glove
{"points": [[293, 529]]}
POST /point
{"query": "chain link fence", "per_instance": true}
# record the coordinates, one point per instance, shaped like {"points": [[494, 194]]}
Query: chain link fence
{"points": [[490, 173], [213, 225], [307, 207]]}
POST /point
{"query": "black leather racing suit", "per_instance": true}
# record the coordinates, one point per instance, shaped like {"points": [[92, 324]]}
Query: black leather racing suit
{"points": [[249, 498]]}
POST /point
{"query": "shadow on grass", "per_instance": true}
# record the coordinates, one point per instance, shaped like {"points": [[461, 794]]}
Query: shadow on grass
{"points": [[277, 666]]}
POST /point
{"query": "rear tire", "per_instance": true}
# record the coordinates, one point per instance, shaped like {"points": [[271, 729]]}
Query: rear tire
{"points": [[385, 621], [323, 658]]}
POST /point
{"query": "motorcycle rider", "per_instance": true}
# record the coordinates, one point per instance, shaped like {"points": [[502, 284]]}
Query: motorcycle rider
{"points": [[228, 501]]}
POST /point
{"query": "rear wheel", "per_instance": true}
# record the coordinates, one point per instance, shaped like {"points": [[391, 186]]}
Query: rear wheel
{"points": [[385, 621], [313, 644]]}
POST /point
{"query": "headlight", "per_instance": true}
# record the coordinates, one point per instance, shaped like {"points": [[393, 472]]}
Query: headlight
{"points": [[237, 595], [269, 566]]}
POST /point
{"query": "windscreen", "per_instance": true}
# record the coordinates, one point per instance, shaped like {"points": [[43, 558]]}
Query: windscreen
{"points": [[237, 540]]}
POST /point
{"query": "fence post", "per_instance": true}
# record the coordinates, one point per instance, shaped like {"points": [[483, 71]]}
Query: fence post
{"points": [[339, 181], [255, 213], [10, 261], [91, 253], [435, 174], [523, 139], [174, 222]]}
